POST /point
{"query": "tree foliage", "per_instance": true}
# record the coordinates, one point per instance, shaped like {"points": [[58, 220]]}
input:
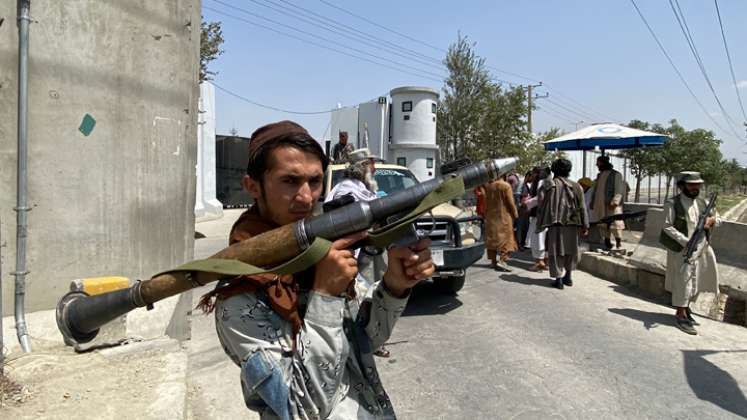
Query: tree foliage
{"points": [[479, 118], [211, 38], [687, 150]]}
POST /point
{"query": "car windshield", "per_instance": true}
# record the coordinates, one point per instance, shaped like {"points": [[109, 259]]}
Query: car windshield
{"points": [[391, 180], [388, 180]]}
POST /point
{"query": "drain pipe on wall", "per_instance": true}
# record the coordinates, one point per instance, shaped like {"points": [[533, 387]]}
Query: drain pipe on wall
{"points": [[22, 208]]}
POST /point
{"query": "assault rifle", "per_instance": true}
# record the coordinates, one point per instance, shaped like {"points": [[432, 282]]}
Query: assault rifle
{"points": [[694, 242], [79, 316]]}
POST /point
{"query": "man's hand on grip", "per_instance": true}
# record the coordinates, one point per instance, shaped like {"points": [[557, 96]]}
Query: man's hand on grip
{"points": [[338, 268], [408, 266]]}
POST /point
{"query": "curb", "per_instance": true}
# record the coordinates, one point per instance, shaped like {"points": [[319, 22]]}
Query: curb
{"points": [[738, 210]]}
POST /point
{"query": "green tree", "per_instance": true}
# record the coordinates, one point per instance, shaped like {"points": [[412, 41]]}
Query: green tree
{"points": [[479, 118], [645, 161], [211, 38], [465, 94], [532, 152]]}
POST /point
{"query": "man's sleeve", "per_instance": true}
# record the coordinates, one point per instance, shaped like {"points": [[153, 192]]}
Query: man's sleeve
{"points": [[510, 204], [619, 188], [272, 376], [669, 228], [383, 312]]}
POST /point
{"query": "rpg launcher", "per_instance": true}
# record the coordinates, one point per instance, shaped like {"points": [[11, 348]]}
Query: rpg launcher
{"points": [[298, 245]]}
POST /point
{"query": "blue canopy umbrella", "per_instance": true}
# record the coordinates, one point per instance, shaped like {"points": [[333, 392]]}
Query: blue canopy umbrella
{"points": [[606, 137]]}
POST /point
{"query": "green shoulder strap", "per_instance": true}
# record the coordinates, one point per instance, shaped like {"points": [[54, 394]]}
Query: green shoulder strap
{"points": [[300, 262], [448, 190]]}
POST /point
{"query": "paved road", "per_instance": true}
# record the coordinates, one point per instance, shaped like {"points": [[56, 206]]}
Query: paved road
{"points": [[510, 347]]}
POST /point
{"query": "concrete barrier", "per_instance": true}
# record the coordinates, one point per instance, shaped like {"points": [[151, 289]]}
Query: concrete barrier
{"points": [[727, 243], [636, 225]]}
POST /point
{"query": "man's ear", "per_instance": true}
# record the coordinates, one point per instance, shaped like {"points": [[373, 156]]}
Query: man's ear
{"points": [[252, 186]]}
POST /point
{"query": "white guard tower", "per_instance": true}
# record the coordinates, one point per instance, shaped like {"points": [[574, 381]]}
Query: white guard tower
{"points": [[413, 130]]}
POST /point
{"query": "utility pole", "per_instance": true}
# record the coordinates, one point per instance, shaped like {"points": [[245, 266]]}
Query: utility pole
{"points": [[529, 101]]}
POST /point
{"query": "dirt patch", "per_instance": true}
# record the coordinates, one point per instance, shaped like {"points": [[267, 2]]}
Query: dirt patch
{"points": [[61, 384], [12, 392]]}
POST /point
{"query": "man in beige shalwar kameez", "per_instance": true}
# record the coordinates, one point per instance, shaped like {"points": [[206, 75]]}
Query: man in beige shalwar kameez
{"points": [[500, 213], [607, 199], [686, 280]]}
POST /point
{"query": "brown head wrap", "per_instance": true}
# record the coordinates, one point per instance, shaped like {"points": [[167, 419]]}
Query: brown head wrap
{"points": [[271, 132]]}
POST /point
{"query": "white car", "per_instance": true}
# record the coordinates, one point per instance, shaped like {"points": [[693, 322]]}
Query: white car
{"points": [[456, 234]]}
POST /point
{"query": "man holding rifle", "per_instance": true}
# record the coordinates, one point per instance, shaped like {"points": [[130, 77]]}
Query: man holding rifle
{"points": [[688, 275], [305, 349]]}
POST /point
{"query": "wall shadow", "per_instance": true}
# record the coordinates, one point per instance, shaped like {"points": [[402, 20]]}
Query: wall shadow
{"points": [[713, 384]]}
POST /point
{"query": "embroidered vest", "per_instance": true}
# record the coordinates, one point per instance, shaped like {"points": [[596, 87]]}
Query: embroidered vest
{"points": [[679, 223]]}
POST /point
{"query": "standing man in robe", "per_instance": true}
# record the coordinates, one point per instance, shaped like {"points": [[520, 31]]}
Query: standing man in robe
{"points": [[607, 200], [500, 213], [686, 280], [562, 211]]}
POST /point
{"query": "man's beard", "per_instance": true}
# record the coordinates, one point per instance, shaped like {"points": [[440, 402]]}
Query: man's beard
{"points": [[370, 182], [691, 194]]}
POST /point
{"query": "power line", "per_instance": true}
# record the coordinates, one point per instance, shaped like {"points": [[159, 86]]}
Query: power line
{"points": [[247, 100], [391, 30], [321, 21], [388, 29], [579, 114], [383, 27], [595, 115], [556, 116], [676, 70], [321, 37], [728, 56], [558, 111], [680, 16], [308, 12], [329, 48]]}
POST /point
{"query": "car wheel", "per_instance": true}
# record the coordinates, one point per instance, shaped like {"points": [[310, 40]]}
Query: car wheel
{"points": [[450, 284]]}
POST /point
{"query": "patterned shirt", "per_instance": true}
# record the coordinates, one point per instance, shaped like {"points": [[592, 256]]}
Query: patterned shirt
{"points": [[332, 374]]}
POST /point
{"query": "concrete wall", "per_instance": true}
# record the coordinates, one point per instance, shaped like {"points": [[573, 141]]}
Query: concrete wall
{"points": [[119, 201], [727, 242], [207, 206]]}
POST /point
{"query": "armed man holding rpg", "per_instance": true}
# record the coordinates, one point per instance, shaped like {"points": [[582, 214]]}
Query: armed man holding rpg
{"points": [[316, 361], [691, 262], [301, 338]]}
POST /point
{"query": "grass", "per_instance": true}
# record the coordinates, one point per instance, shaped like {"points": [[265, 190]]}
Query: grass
{"points": [[727, 201]]}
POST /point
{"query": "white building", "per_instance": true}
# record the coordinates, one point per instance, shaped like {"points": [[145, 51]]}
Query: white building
{"points": [[400, 129]]}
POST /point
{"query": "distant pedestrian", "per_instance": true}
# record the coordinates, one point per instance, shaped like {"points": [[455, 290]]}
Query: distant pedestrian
{"points": [[540, 177], [522, 223], [343, 149], [607, 200], [500, 212], [562, 211], [687, 279]]}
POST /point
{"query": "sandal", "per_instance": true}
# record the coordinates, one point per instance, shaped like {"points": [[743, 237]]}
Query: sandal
{"points": [[382, 352]]}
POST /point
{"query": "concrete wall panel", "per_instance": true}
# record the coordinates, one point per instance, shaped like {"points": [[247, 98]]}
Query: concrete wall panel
{"points": [[119, 201]]}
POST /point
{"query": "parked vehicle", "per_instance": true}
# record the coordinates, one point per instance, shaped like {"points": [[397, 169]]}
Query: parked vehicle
{"points": [[456, 234]]}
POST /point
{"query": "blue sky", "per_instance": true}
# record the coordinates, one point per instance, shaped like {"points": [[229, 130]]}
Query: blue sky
{"points": [[596, 57]]}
